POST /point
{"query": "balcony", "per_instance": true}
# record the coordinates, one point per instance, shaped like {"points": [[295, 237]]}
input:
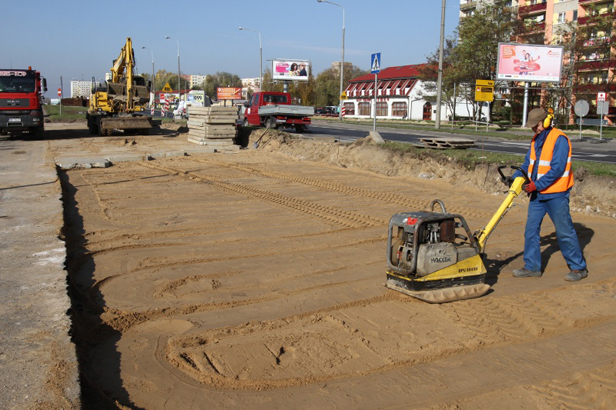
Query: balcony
{"points": [[468, 5], [594, 88], [533, 9], [582, 21], [597, 65], [587, 2], [534, 28]]}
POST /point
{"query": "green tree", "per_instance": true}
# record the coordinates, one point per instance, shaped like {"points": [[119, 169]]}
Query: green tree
{"points": [[588, 65], [327, 85], [474, 56], [220, 79]]}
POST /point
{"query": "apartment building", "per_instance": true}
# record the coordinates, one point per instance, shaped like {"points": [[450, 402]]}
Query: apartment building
{"points": [[543, 22], [81, 89]]}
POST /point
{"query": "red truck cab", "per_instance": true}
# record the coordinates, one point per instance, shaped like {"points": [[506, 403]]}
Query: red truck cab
{"points": [[274, 109], [21, 101]]}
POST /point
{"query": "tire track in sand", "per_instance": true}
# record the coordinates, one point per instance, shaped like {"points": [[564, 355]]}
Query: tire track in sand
{"points": [[327, 213], [594, 389], [388, 197]]}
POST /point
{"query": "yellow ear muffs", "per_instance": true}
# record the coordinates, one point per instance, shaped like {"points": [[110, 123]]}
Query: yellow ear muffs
{"points": [[548, 120]]}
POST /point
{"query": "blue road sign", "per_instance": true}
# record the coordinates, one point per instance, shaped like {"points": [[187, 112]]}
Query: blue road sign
{"points": [[375, 63]]}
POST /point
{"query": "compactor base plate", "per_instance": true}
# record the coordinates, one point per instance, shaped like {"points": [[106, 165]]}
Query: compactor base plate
{"points": [[442, 295]]}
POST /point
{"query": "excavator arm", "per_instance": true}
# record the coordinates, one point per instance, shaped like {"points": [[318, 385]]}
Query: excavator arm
{"points": [[123, 68]]}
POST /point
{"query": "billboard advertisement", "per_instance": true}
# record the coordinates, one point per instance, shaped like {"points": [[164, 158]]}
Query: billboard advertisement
{"points": [[290, 70], [229, 93], [529, 62]]}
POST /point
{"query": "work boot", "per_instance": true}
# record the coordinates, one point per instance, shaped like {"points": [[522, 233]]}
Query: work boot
{"points": [[576, 274], [525, 273]]}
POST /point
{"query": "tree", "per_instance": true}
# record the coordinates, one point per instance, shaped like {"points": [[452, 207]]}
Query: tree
{"points": [[164, 77], [474, 56], [220, 79], [588, 65], [327, 85]]}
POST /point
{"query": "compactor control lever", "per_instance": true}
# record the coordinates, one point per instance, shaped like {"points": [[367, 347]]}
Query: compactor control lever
{"points": [[508, 179]]}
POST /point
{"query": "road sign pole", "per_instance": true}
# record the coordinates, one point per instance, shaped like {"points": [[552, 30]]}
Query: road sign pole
{"points": [[375, 63], [374, 121], [600, 107]]}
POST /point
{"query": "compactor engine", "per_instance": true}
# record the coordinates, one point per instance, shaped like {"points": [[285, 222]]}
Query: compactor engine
{"points": [[433, 256]]}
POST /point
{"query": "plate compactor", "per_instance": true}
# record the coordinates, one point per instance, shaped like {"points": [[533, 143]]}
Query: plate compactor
{"points": [[434, 257]]}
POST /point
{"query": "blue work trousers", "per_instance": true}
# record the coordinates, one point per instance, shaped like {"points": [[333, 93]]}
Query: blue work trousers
{"points": [[558, 211]]}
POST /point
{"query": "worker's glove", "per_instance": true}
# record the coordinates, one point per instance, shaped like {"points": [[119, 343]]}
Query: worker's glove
{"points": [[508, 180], [530, 187]]}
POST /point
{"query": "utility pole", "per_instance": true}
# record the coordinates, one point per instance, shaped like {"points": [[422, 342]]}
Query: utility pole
{"points": [[439, 92]]}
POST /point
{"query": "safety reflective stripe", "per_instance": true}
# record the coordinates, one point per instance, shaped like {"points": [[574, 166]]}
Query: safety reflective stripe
{"points": [[545, 161]]}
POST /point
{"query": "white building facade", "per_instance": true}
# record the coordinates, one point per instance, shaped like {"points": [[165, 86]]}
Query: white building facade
{"points": [[399, 95], [81, 88]]}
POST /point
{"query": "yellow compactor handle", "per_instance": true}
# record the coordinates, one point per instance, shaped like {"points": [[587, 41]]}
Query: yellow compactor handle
{"points": [[515, 189]]}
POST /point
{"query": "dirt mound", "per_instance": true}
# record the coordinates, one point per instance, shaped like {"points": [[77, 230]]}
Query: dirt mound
{"points": [[590, 194]]}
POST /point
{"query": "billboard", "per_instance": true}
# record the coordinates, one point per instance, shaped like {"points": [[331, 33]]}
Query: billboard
{"points": [[229, 93], [290, 70], [529, 62]]}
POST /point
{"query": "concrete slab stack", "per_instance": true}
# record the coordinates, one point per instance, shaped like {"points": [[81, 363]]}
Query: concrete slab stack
{"points": [[212, 126]]}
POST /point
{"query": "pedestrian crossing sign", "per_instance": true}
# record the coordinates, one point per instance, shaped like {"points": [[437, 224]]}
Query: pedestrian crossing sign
{"points": [[375, 63]]}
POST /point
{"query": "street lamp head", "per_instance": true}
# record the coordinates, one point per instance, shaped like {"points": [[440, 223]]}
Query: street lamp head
{"points": [[240, 28], [167, 38], [320, 1]]}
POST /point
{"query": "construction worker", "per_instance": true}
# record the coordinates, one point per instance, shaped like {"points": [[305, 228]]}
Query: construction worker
{"points": [[548, 165]]}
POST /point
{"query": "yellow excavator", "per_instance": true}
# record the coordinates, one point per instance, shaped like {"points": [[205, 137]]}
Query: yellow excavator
{"points": [[433, 256], [121, 102]]}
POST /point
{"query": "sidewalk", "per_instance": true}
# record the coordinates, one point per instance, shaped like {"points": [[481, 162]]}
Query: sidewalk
{"points": [[38, 360]]}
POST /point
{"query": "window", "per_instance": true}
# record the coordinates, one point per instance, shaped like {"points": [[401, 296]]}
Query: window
{"points": [[364, 108], [349, 108], [560, 19], [398, 109], [381, 109]]}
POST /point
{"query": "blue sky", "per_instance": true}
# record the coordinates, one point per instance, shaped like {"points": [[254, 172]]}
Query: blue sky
{"points": [[78, 39]]}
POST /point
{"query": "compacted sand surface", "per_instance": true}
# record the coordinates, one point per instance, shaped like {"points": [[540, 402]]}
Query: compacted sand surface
{"points": [[254, 279]]}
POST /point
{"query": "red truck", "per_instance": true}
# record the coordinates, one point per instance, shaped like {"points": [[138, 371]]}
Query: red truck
{"points": [[274, 109], [21, 98]]}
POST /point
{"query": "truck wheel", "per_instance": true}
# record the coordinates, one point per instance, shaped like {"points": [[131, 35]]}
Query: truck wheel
{"points": [[38, 132], [300, 128], [92, 128], [270, 123]]}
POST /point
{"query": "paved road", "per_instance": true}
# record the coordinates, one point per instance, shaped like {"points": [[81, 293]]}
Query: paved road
{"points": [[583, 150]]}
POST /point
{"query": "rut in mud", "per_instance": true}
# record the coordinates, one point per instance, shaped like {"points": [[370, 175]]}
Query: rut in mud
{"points": [[256, 280]]}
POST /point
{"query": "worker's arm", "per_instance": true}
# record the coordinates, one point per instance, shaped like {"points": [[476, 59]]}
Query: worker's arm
{"points": [[557, 165], [523, 167]]}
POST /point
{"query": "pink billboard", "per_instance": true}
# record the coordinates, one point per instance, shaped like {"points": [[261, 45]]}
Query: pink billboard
{"points": [[529, 62]]}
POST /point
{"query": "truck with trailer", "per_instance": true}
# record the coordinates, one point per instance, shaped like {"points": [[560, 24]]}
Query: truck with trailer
{"points": [[21, 101], [274, 110]]}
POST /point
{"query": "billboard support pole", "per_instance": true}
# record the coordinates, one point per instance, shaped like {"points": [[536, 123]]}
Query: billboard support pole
{"points": [[525, 111]]}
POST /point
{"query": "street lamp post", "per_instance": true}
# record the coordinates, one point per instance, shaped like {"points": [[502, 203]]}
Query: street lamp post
{"points": [[342, 62], [179, 81], [260, 55], [153, 78]]}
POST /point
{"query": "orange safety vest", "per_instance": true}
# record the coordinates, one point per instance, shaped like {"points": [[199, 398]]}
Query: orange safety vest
{"points": [[565, 181]]}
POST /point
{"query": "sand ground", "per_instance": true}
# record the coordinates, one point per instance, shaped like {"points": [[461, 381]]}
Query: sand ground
{"points": [[254, 279]]}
